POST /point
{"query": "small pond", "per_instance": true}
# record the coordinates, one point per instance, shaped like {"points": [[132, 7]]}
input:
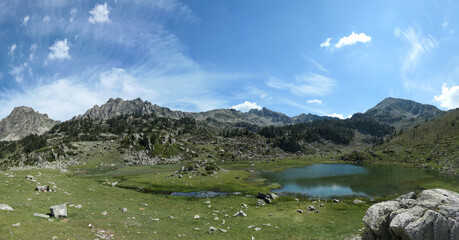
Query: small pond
{"points": [[334, 180]]}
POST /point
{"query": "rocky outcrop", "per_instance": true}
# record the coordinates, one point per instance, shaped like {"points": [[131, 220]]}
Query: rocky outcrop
{"points": [[434, 214], [24, 121], [118, 107]]}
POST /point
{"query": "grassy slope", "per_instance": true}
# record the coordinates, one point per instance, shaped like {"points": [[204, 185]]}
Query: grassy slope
{"points": [[333, 222], [434, 144]]}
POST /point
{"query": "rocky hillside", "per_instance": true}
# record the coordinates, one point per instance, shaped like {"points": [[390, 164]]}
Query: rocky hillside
{"points": [[24, 121], [117, 107], [401, 113]]}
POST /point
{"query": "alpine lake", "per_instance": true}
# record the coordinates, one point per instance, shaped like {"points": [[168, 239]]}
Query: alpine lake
{"points": [[341, 180]]}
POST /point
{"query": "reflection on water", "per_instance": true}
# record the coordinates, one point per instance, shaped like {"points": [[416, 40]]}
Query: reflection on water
{"points": [[320, 190], [327, 180]]}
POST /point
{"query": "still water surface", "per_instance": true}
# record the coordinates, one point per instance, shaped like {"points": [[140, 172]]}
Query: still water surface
{"points": [[330, 180]]}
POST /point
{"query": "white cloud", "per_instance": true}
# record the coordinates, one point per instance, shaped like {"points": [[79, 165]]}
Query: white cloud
{"points": [[449, 97], [59, 50], [246, 106], [46, 19], [314, 101], [11, 50], [353, 39], [326, 43], [310, 84], [25, 20], [336, 115], [99, 14], [74, 12]]}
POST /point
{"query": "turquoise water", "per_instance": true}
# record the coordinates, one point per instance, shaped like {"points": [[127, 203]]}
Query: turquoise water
{"points": [[334, 180]]}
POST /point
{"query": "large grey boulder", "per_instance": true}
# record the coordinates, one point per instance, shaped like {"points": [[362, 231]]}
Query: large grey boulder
{"points": [[434, 214], [58, 211]]}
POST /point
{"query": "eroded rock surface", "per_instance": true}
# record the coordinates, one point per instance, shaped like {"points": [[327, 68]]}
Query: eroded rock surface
{"points": [[434, 214]]}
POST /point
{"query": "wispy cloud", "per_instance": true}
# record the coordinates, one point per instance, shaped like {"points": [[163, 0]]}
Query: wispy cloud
{"points": [[46, 19], [316, 65], [73, 13], [99, 14], [317, 101], [306, 84], [11, 51], [449, 97], [246, 106], [25, 20], [419, 45]]}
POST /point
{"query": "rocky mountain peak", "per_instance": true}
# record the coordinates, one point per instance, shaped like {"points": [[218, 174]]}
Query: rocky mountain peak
{"points": [[23, 121], [117, 107], [402, 113]]}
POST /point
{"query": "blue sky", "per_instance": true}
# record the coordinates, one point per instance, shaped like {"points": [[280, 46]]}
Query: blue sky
{"points": [[323, 57]]}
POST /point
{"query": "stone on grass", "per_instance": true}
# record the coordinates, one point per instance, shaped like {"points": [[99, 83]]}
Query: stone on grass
{"points": [[16, 225], [41, 215], [357, 201], [123, 209], [6, 207], [197, 217], [30, 177], [299, 211], [257, 229], [311, 208], [58, 211], [240, 213], [104, 213], [211, 230], [335, 201]]}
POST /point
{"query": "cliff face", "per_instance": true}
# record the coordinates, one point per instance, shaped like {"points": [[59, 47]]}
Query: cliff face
{"points": [[24, 121]]}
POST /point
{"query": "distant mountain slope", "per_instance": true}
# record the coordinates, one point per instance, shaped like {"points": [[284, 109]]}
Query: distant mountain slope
{"points": [[433, 143], [264, 117], [24, 121], [401, 113]]}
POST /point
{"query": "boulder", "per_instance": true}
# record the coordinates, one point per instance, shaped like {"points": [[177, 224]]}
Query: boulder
{"points": [[267, 197], [58, 211], [6, 207], [433, 214]]}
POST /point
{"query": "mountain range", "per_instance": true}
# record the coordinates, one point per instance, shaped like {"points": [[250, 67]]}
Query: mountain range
{"points": [[23, 121]]}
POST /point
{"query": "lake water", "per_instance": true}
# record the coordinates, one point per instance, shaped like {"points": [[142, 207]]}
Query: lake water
{"points": [[330, 180]]}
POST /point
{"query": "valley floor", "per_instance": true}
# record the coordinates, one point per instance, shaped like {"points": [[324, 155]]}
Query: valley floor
{"points": [[159, 216]]}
